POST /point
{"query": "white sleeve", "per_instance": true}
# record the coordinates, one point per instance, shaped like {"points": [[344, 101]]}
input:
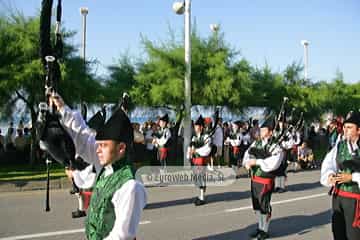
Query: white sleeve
{"points": [[328, 166], [246, 157], [85, 178], [271, 163], [205, 150], [356, 177], [129, 202], [83, 137], [164, 138]]}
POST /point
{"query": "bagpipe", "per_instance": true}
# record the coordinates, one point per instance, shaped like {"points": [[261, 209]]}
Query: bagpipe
{"points": [[287, 129], [54, 139]]}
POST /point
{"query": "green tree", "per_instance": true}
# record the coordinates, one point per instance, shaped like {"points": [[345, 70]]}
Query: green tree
{"points": [[21, 72]]}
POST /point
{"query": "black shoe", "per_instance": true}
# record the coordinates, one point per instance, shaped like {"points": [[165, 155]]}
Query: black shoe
{"points": [[255, 233], [199, 202], [281, 190], [262, 235], [78, 214], [276, 190]]}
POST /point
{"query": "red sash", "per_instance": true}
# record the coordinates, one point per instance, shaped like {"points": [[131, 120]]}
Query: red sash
{"points": [[87, 196], [200, 161], [356, 222], [163, 153], [235, 149], [267, 182]]}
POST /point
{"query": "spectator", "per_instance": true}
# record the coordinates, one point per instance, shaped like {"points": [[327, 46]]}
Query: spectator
{"points": [[218, 140], [333, 134], [255, 130], [151, 151], [306, 156]]}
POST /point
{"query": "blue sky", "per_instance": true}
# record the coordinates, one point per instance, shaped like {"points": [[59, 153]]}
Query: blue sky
{"points": [[263, 31]]}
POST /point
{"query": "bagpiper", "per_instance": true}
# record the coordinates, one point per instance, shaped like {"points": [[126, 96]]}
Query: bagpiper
{"points": [[199, 153], [234, 140], [262, 158], [162, 140], [340, 170]]}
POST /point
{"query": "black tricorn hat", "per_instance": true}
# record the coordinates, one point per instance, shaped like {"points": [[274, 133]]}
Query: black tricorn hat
{"points": [[165, 118], [353, 117], [200, 121], [117, 128], [269, 123]]}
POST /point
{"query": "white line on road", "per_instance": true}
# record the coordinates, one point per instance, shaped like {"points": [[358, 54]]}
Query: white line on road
{"points": [[48, 234], [279, 202]]}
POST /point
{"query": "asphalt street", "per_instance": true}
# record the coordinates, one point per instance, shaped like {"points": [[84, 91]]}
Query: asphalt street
{"points": [[303, 212]]}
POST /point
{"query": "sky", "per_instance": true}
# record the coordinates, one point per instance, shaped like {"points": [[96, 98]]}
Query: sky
{"points": [[265, 32]]}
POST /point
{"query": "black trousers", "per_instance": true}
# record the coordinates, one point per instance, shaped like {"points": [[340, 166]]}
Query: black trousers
{"points": [[343, 217]]}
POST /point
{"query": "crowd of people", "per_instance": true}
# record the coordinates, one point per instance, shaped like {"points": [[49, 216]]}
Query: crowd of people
{"points": [[15, 145]]}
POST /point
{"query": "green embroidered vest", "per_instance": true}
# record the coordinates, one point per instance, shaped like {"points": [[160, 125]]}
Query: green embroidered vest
{"points": [[343, 154], [256, 170], [101, 214]]}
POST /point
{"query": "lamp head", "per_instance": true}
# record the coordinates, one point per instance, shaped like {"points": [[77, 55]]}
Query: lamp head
{"points": [[84, 10], [179, 7]]}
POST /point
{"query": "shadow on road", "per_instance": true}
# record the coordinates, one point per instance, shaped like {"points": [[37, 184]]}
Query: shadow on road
{"points": [[281, 227], [211, 198]]}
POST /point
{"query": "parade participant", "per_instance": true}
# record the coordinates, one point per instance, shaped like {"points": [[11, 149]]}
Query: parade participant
{"points": [[162, 140], [199, 151], [234, 141], [117, 200], [262, 158], [340, 170]]}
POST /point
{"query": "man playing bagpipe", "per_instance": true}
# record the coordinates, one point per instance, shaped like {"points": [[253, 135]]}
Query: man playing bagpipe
{"points": [[340, 170], [234, 141], [199, 154], [262, 158], [162, 140], [117, 200]]}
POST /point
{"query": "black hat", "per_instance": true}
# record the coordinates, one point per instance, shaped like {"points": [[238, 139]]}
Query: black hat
{"points": [[165, 118], [239, 123], [353, 117], [200, 121], [269, 123], [117, 128]]}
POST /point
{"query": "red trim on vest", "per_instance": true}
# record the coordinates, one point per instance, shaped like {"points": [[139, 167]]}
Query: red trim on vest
{"points": [[267, 182], [200, 161], [356, 222], [163, 153]]}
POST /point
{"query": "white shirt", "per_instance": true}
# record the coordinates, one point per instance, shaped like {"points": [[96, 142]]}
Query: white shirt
{"points": [[129, 200]]}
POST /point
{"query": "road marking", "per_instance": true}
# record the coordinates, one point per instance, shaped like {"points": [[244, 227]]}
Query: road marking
{"points": [[279, 202], [48, 234]]}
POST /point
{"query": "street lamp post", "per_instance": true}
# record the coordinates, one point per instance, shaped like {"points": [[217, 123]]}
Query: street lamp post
{"points": [[185, 8], [305, 43], [84, 11]]}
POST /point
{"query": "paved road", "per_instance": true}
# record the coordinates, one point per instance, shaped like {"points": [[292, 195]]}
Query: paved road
{"points": [[301, 213]]}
